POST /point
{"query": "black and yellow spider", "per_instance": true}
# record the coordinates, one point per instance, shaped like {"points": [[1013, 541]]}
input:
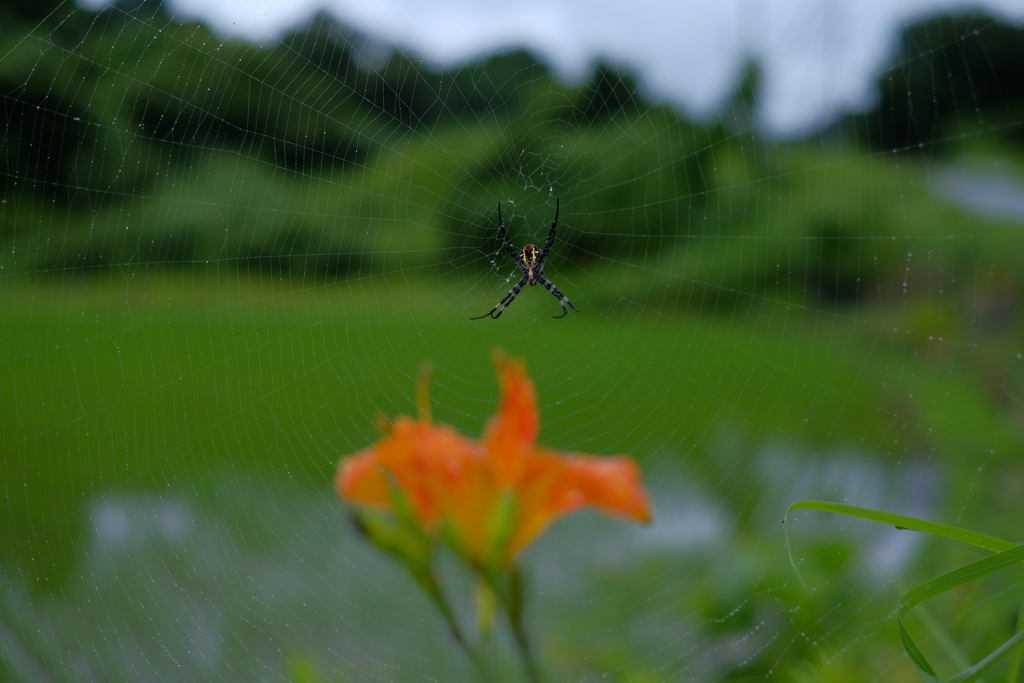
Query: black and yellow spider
{"points": [[531, 261]]}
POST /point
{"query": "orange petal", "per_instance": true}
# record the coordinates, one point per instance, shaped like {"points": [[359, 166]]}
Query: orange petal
{"points": [[511, 434], [555, 485], [360, 480], [415, 456], [419, 455], [466, 494], [612, 484], [546, 493]]}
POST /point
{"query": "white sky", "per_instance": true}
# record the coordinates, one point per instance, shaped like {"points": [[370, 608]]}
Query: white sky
{"points": [[818, 58]]}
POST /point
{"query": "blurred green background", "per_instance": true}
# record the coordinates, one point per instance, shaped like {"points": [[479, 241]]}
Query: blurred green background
{"points": [[219, 261]]}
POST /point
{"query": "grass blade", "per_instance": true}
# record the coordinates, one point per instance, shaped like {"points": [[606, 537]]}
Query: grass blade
{"points": [[903, 522], [946, 582], [1006, 554]]}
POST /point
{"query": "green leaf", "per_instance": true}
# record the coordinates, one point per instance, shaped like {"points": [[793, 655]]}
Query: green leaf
{"points": [[946, 582], [1007, 553], [903, 522], [409, 543]]}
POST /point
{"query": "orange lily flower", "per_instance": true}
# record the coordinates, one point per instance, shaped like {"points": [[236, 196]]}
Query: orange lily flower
{"points": [[494, 495]]}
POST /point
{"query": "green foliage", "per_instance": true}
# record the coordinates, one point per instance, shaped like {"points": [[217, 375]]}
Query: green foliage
{"points": [[1006, 555], [954, 73], [133, 141]]}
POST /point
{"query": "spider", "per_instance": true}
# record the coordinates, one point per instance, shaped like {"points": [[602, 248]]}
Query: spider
{"points": [[531, 261]]}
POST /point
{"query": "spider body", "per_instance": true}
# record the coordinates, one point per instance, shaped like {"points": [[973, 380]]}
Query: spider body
{"points": [[529, 256], [531, 262]]}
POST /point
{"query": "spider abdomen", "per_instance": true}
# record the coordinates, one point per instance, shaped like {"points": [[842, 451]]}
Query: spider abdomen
{"points": [[530, 259]]}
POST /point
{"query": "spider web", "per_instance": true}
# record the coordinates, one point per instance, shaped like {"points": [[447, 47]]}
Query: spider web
{"points": [[222, 258]]}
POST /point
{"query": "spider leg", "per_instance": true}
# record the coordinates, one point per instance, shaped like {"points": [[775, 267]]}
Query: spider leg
{"points": [[562, 298], [551, 235], [507, 301], [505, 241]]}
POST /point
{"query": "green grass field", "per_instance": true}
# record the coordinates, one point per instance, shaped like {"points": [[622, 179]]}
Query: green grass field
{"points": [[232, 397], [171, 381]]}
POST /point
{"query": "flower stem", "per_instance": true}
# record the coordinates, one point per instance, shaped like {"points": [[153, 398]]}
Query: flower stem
{"points": [[1015, 659], [433, 588], [532, 671], [511, 590]]}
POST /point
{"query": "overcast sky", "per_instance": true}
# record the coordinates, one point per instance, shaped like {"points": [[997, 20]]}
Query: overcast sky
{"points": [[818, 58]]}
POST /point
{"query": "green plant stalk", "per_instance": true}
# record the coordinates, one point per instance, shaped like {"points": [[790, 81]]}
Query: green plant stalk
{"points": [[509, 587], [432, 587], [523, 643], [514, 609], [487, 606], [1015, 659], [402, 537]]}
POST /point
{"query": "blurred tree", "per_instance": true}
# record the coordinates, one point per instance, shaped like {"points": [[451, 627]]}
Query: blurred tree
{"points": [[32, 10], [610, 92], [954, 73]]}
